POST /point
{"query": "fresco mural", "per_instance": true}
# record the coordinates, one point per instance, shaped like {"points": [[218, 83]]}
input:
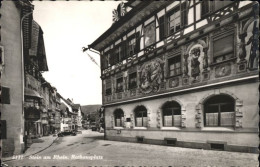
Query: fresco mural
{"points": [[195, 61], [252, 45], [151, 76]]}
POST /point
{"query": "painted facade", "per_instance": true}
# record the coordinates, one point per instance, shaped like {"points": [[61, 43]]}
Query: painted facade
{"points": [[182, 73]]}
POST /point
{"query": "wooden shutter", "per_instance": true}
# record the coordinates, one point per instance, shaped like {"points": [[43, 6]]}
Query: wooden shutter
{"points": [[5, 95], [3, 129], [162, 27], [184, 19], [137, 46]]}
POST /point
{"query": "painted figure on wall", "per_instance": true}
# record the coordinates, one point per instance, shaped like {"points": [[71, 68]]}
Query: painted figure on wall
{"points": [[151, 77], [195, 64], [254, 51]]}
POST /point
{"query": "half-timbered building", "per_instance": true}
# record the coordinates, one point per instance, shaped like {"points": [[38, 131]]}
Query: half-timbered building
{"points": [[182, 73]]}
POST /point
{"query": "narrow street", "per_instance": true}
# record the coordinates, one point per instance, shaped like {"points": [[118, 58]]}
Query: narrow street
{"points": [[89, 149]]}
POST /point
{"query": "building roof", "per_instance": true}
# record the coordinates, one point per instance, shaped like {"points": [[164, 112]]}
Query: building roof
{"points": [[119, 23], [140, 10], [75, 106]]}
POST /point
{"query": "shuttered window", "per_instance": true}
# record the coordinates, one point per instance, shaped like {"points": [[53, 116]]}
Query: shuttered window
{"points": [[223, 48]]}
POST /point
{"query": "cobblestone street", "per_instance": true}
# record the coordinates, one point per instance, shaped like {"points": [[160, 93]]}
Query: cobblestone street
{"points": [[89, 149]]}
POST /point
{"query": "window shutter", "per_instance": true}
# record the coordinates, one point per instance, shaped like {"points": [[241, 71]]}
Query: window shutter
{"points": [[137, 46], [3, 129], [205, 7], [5, 95], [123, 51], [184, 20], [162, 27]]}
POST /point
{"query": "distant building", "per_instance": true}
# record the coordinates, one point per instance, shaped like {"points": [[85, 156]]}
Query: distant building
{"points": [[182, 73]]}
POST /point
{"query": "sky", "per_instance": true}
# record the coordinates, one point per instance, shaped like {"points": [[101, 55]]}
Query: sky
{"points": [[68, 26]]}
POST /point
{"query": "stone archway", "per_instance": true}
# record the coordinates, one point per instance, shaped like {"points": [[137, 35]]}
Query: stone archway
{"points": [[238, 108]]}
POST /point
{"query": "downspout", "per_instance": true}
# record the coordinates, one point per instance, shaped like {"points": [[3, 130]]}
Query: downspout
{"points": [[22, 71]]}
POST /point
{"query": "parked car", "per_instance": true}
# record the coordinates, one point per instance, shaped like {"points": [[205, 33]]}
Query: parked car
{"points": [[67, 133], [93, 126]]}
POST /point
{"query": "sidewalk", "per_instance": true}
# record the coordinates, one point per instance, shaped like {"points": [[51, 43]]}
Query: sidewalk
{"points": [[37, 146]]}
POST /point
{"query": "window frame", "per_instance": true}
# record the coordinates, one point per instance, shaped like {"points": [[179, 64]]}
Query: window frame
{"points": [[119, 112], [143, 111], [206, 105], [175, 107], [107, 93], [223, 54], [121, 88], [129, 81], [177, 56]]}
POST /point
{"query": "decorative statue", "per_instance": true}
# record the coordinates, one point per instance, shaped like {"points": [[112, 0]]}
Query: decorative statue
{"points": [[254, 51], [195, 64]]}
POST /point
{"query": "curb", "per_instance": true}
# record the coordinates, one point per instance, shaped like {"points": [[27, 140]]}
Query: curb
{"points": [[10, 159]]}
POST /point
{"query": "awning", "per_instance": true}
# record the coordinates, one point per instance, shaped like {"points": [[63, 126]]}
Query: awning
{"points": [[32, 93]]}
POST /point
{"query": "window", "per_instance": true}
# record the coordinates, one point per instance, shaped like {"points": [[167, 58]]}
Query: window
{"points": [[174, 21], [133, 45], [132, 80], [105, 60], [219, 111], [119, 117], [174, 65], [119, 53], [171, 114], [108, 87], [140, 116], [223, 48], [4, 95], [220, 4], [149, 34], [119, 85]]}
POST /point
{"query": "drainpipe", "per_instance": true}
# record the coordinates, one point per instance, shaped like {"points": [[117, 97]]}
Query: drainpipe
{"points": [[22, 71]]}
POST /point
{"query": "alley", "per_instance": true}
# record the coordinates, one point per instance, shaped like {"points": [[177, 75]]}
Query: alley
{"points": [[89, 149]]}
